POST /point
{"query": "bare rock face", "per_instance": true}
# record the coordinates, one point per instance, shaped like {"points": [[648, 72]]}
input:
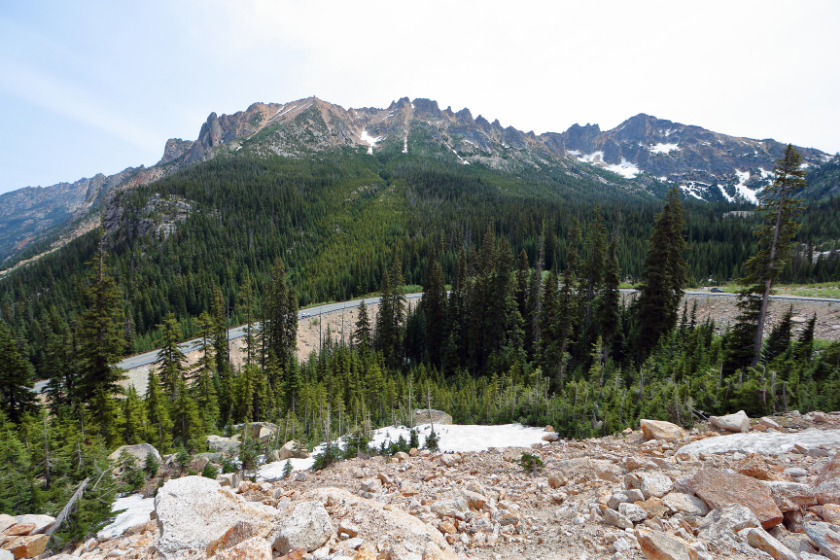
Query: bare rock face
{"points": [[685, 503], [252, 549], [422, 416], [828, 492], [738, 422], [792, 495], [139, 451], [41, 522], [192, 512], [661, 430], [720, 488], [222, 444], [291, 450], [26, 546], [830, 471], [308, 527]]}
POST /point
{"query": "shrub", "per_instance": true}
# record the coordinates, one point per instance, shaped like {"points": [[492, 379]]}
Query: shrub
{"points": [[530, 463], [210, 471]]}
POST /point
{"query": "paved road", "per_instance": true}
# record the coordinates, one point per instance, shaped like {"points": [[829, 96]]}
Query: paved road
{"points": [[191, 345]]}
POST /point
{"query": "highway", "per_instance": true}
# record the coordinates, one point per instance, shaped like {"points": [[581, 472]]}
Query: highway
{"points": [[147, 358]]}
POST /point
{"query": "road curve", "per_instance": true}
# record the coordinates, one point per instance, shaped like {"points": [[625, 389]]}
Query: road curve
{"points": [[147, 358]]}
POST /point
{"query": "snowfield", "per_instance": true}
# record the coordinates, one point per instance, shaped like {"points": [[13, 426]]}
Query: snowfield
{"points": [[137, 511], [453, 438], [769, 442]]}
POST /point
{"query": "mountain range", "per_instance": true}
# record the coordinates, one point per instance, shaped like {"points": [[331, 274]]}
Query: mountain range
{"points": [[643, 153]]}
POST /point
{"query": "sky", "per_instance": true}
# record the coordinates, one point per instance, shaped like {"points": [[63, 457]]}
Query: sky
{"points": [[93, 86]]}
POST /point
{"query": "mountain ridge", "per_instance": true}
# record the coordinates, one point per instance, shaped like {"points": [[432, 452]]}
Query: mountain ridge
{"points": [[643, 150]]}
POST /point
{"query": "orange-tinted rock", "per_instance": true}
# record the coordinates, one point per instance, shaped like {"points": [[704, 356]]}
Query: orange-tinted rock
{"points": [[654, 507], [20, 529], [27, 546], [659, 546], [830, 470], [719, 488], [755, 466]]}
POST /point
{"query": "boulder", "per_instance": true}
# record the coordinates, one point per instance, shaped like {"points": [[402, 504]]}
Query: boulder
{"points": [[659, 546], [651, 484], [792, 495], [551, 437], [737, 422], [27, 546], [139, 451], [192, 512], [760, 539], [421, 416], [821, 417], [20, 529], [308, 527], [475, 500], [290, 450], [221, 444], [449, 507], [765, 423], [5, 554], [661, 430], [720, 488], [756, 466], [831, 514], [732, 517], [654, 507], [826, 537], [632, 512], [616, 519], [42, 522], [684, 503]]}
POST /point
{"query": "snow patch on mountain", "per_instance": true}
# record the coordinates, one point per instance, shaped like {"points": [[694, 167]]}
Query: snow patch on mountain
{"points": [[743, 190], [370, 140], [661, 148]]}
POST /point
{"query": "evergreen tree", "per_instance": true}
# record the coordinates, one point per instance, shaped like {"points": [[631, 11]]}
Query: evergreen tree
{"points": [[157, 411], [101, 342], [779, 340], [593, 269], [664, 276], [804, 347], [207, 361], [248, 310], [171, 360], [280, 317], [361, 334], [132, 417], [434, 310], [16, 386], [218, 311], [609, 306], [779, 209]]}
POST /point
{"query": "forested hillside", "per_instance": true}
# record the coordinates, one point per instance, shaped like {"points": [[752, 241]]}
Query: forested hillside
{"points": [[521, 317]]}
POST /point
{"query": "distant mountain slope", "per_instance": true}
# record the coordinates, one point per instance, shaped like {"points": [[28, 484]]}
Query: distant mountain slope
{"points": [[706, 165], [643, 153]]}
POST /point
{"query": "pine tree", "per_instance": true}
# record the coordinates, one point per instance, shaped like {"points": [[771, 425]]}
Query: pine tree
{"points": [[664, 276], [804, 347], [16, 386], [186, 420], [218, 311], [609, 305], [247, 307], [361, 334], [434, 310], [775, 237], [779, 340], [132, 417], [171, 360], [207, 361], [593, 269], [280, 316], [157, 410]]}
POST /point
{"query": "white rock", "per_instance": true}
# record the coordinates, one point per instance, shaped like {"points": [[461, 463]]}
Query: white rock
{"points": [[194, 511], [139, 451], [767, 443], [686, 503], [737, 422], [42, 522], [632, 512], [308, 527]]}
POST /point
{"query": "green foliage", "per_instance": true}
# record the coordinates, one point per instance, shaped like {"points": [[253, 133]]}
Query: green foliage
{"points": [[432, 442], [151, 465], [287, 469], [530, 463], [229, 465], [210, 471]]}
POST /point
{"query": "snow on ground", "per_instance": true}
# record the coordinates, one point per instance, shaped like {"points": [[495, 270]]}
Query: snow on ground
{"points": [[370, 140], [726, 194], [137, 511], [574, 152], [663, 148], [769, 442], [625, 168], [453, 438], [689, 189], [766, 174], [742, 189]]}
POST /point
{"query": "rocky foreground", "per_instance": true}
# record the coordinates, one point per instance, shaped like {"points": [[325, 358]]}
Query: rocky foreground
{"points": [[653, 494]]}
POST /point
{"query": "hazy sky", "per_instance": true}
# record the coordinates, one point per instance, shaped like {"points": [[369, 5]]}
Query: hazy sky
{"points": [[90, 86]]}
